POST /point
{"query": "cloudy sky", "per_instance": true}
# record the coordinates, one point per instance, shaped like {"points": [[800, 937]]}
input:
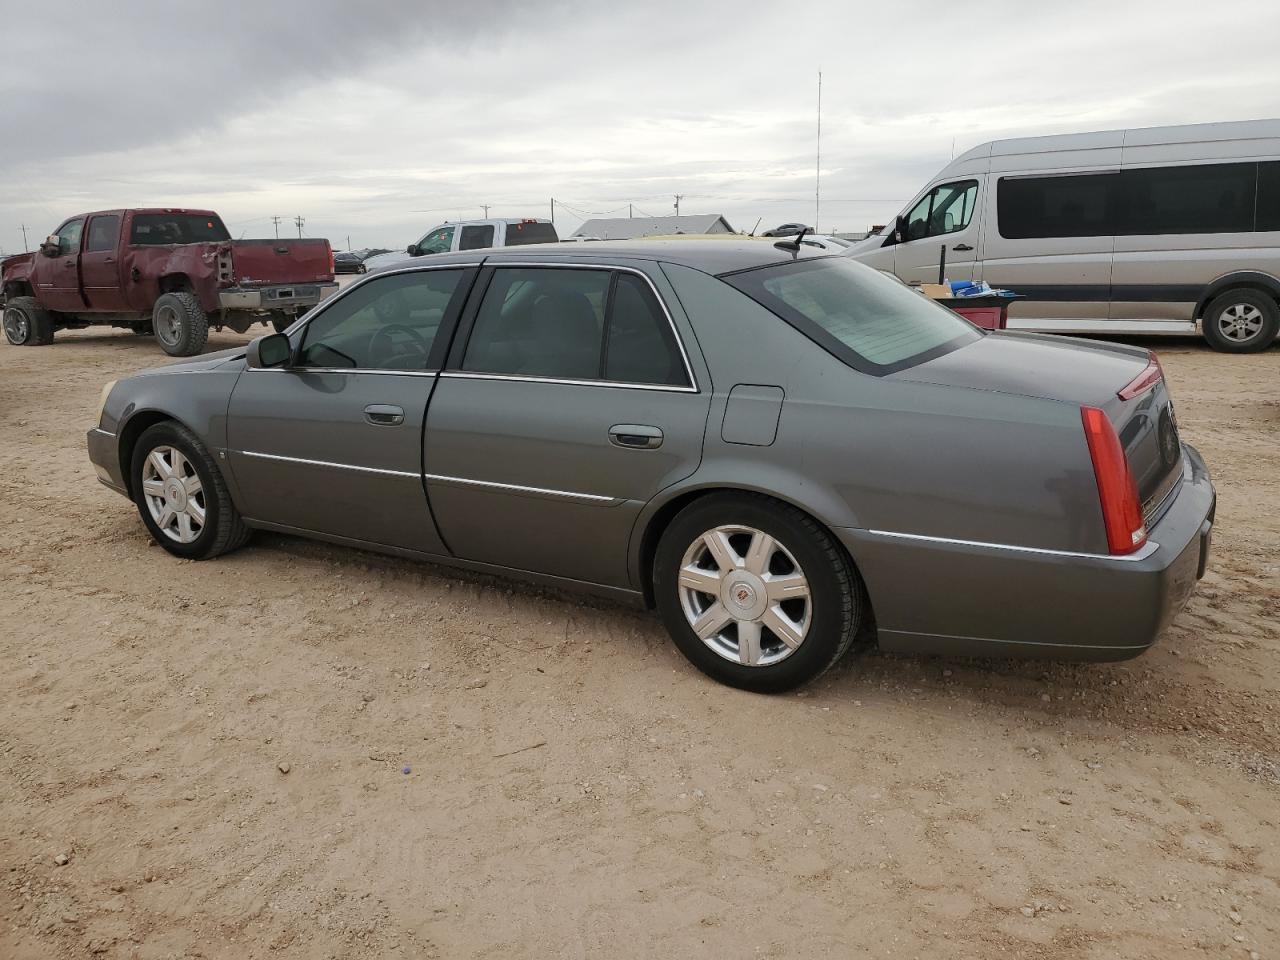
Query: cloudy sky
{"points": [[378, 121]]}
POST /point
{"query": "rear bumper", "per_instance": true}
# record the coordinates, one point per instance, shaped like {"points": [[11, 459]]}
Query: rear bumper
{"points": [[960, 598], [282, 297], [105, 457]]}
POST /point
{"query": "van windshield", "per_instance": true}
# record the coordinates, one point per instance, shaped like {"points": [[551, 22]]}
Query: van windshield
{"points": [[874, 323]]}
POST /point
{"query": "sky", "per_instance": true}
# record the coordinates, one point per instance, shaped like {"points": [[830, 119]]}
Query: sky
{"points": [[376, 122]]}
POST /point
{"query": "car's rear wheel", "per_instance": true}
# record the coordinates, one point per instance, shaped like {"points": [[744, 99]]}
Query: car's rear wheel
{"points": [[180, 324], [181, 495], [755, 593], [27, 324], [1242, 321]]}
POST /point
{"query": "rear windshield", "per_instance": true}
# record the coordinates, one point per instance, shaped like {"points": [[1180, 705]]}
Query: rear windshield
{"points": [[158, 229], [518, 234], [873, 322]]}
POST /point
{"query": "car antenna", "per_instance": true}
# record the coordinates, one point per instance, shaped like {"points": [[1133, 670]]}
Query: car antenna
{"points": [[755, 228], [794, 244]]}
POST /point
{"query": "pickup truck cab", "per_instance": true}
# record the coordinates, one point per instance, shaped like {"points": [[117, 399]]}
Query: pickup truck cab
{"points": [[472, 235], [169, 272]]}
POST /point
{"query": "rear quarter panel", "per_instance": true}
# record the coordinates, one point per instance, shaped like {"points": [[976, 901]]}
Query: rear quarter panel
{"points": [[144, 267]]}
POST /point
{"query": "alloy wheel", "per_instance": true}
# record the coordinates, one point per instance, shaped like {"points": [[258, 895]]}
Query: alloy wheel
{"points": [[745, 596], [168, 325], [174, 494], [1240, 322]]}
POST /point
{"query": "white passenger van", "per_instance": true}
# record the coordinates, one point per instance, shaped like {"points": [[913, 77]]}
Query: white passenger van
{"points": [[1156, 230]]}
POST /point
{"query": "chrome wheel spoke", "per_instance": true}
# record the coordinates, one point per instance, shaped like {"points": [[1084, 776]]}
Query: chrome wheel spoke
{"points": [[717, 543], [749, 642], [165, 518], [712, 620], [184, 528], [787, 586], [759, 553], [704, 581], [162, 468], [783, 627], [192, 485], [153, 488]]}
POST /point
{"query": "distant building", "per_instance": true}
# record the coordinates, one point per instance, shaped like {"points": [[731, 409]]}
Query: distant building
{"points": [[630, 228]]}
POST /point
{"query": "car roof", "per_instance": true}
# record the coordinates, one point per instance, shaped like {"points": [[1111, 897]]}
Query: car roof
{"points": [[709, 256]]}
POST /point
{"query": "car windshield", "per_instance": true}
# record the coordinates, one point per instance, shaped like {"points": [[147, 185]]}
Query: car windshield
{"points": [[874, 323]]}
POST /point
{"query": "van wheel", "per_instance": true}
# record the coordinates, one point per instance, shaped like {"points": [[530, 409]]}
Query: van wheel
{"points": [[1241, 321], [26, 324], [180, 324]]}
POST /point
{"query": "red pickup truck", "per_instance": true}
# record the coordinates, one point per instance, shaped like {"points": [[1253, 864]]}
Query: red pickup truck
{"points": [[171, 272]]}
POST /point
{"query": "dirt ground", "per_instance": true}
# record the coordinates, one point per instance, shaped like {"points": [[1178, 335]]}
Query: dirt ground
{"points": [[473, 768]]}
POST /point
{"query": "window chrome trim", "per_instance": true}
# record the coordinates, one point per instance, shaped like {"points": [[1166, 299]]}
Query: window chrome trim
{"points": [[466, 375], [329, 463], [519, 488], [383, 370], [1146, 550], [692, 387]]}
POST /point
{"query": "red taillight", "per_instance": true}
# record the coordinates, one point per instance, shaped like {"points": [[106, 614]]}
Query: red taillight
{"points": [[1118, 494], [1148, 378]]}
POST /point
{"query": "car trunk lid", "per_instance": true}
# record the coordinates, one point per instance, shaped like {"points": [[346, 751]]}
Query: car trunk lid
{"points": [[1084, 373]]}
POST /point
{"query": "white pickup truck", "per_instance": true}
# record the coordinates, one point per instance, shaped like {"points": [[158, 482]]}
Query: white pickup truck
{"points": [[472, 235]]}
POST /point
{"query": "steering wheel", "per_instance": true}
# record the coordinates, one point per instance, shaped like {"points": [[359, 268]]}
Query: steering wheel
{"points": [[390, 349]]}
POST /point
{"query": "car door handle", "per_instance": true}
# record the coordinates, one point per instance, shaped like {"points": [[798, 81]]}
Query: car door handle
{"points": [[109, 260], [962, 248], [384, 414], [635, 436]]}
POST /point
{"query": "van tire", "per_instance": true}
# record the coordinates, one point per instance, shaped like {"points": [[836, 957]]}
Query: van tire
{"points": [[181, 327], [26, 324], [1241, 321]]}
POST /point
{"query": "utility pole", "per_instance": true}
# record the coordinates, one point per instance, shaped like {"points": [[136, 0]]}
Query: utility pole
{"points": [[630, 215], [553, 210], [25, 248], [679, 197], [348, 243], [485, 208], [817, 179], [299, 221], [275, 221]]}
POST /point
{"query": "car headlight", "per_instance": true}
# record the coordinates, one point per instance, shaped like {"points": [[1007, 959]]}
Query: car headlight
{"points": [[102, 400]]}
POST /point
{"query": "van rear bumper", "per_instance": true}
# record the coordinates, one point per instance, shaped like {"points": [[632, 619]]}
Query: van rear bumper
{"points": [[960, 598]]}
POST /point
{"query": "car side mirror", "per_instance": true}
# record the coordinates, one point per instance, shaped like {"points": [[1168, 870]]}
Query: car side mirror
{"points": [[51, 246], [412, 250], [273, 350], [900, 230]]}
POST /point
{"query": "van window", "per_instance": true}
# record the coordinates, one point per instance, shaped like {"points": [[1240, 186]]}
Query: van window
{"points": [[1200, 198], [945, 209], [476, 237], [1268, 196], [1074, 205]]}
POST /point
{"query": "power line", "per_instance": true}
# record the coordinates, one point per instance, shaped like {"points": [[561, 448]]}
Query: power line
{"points": [[275, 221], [299, 221]]}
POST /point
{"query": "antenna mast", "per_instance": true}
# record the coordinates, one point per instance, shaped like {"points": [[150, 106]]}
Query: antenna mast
{"points": [[817, 179]]}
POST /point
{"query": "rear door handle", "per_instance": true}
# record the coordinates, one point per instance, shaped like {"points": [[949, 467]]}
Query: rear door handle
{"points": [[635, 436], [108, 259], [384, 414], [962, 248]]}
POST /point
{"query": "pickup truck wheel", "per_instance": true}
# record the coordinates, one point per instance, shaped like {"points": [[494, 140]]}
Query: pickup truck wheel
{"points": [[26, 324], [180, 324], [181, 496], [281, 321]]}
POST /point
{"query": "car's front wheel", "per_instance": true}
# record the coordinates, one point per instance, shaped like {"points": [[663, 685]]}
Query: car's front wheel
{"points": [[181, 496], [755, 593]]}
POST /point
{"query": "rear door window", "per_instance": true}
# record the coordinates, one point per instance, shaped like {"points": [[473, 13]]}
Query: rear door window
{"points": [[640, 346], [1268, 196], [476, 237], [540, 322], [103, 232]]}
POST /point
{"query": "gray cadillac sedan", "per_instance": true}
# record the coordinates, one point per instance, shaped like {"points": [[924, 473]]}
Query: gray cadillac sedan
{"points": [[778, 451]]}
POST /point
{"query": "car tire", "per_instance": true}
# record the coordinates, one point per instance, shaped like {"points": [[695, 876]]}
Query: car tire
{"points": [[362, 269], [181, 327], [26, 324], [709, 544], [1241, 321], [281, 321], [168, 452]]}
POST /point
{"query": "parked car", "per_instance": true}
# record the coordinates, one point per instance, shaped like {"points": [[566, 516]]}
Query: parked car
{"points": [[472, 235], [353, 261], [777, 450], [168, 272], [787, 230], [1127, 231]]}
